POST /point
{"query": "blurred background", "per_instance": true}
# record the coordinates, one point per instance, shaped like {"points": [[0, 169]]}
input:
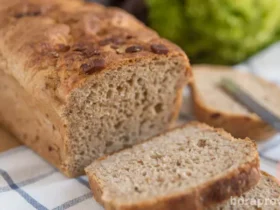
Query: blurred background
{"points": [[213, 31]]}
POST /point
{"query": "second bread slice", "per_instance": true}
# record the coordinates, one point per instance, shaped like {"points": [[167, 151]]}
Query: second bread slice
{"points": [[212, 105], [264, 196], [190, 167]]}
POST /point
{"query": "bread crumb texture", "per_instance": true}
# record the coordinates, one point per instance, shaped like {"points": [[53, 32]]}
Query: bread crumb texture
{"points": [[176, 164]]}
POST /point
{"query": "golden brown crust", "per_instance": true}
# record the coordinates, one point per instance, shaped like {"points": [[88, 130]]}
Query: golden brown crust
{"points": [[96, 188], [240, 126], [235, 183], [270, 176], [64, 41], [39, 129], [51, 47], [7, 141]]}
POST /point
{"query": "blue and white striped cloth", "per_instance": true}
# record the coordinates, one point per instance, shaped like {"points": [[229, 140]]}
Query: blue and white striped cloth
{"points": [[28, 182]]}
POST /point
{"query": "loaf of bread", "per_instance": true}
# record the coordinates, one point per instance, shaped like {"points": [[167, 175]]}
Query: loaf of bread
{"points": [[78, 80], [188, 168], [215, 107], [7, 141], [264, 196]]}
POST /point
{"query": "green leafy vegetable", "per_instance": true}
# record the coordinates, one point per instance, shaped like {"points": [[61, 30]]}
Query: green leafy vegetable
{"points": [[217, 31]]}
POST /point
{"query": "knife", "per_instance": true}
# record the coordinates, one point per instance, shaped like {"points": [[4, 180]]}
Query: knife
{"points": [[244, 98], [249, 102]]}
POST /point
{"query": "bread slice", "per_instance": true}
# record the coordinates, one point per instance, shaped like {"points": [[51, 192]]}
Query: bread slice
{"points": [[188, 168], [264, 196], [215, 107], [83, 80]]}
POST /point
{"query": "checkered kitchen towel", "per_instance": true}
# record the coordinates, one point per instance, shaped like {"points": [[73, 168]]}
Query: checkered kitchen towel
{"points": [[28, 182]]}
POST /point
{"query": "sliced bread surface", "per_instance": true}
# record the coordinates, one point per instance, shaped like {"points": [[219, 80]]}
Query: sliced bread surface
{"points": [[264, 196], [190, 167], [215, 107]]}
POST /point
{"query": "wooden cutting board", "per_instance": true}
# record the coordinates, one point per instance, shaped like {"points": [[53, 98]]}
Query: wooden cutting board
{"points": [[7, 141]]}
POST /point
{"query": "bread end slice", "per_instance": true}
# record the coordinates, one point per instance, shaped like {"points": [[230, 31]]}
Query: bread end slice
{"points": [[214, 107], [265, 195], [190, 167]]}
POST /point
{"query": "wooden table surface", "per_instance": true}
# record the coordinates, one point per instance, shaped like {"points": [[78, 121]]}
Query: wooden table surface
{"points": [[7, 141]]}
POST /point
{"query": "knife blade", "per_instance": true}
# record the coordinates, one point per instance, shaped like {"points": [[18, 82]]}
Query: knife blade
{"points": [[250, 103]]}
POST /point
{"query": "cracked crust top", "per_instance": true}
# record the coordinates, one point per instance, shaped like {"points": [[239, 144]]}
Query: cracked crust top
{"points": [[59, 43]]}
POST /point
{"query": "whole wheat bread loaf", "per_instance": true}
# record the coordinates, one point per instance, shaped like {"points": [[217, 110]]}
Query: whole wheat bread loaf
{"points": [[215, 107], [188, 168], [264, 196], [78, 80]]}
